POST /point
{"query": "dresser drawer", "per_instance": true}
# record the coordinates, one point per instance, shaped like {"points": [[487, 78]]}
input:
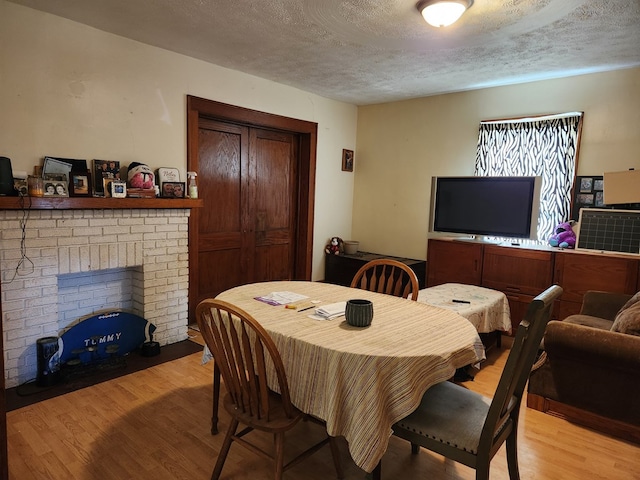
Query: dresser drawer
{"points": [[519, 271]]}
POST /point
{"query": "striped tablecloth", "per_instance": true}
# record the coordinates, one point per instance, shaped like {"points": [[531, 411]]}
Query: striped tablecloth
{"points": [[361, 380], [488, 310]]}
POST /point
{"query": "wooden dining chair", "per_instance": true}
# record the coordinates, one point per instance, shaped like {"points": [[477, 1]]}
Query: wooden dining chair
{"points": [[242, 350], [469, 428], [387, 276]]}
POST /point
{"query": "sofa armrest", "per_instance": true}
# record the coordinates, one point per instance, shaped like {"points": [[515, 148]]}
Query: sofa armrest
{"points": [[592, 345], [597, 370], [603, 304]]}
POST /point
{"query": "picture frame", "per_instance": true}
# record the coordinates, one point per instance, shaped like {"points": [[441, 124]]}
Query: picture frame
{"points": [[63, 165], [586, 184], [173, 189], [20, 184], [104, 172], [80, 184], [588, 192], [347, 160], [118, 189], [55, 185]]}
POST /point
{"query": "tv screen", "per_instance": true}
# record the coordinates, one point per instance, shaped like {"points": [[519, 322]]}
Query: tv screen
{"points": [[489, 206]]}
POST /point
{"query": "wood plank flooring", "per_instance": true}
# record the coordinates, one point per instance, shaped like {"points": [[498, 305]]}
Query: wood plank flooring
{"points": [[154, 424]]}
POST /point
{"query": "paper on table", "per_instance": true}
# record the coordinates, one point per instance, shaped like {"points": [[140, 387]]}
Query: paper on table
{"points": [[331, 311], [281, 298]]}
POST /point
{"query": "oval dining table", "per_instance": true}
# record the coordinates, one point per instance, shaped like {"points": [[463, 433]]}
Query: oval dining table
{"points": [[360, 381]]}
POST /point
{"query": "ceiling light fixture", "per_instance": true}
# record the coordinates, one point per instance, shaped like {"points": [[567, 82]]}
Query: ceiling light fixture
{"points": [[442, 13]]}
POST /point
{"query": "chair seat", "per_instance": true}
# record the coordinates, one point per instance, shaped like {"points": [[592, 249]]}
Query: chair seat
{"points": [[468, 428], [448, 411], [277, 420]]}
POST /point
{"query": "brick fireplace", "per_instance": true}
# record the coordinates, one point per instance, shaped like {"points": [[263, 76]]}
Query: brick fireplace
{"points": [[150, 244]]}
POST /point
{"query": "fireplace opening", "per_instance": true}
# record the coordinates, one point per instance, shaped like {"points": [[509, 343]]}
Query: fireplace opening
{"points": [[83, 294]]}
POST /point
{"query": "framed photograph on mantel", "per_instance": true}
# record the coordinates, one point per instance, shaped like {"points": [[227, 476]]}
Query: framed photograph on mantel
{"points": [[55, 185], [347, 160], [104, 172], [80, 184], [173, 189]]}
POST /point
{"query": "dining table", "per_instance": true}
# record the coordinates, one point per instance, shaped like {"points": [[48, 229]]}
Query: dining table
{"points": [[359, 380]]}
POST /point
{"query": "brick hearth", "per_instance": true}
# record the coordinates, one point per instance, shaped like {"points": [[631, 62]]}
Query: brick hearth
{"points": [[153, 243]]}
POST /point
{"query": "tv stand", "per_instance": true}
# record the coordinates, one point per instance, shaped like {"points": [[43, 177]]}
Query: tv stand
{"points": [[522, 272], [478, 239]]}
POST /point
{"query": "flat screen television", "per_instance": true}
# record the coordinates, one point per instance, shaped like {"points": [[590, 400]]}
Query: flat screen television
{"points": [[487, 206]]}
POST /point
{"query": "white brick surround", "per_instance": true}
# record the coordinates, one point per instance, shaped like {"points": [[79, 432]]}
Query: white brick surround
{"points": [[152, 243]]}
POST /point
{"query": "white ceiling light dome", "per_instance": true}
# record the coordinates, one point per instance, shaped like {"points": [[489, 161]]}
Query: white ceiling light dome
{"points": [[442, 13]]}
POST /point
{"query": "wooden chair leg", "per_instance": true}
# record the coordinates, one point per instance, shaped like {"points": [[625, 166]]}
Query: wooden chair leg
{"points": [[415, 448], [482, 472], [224, 449], [377, 472], [512, 455], [279, 454], [216, 399]]}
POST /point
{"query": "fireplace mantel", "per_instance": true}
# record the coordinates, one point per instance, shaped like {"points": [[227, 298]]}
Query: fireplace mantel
{"points": [[91, 203]]}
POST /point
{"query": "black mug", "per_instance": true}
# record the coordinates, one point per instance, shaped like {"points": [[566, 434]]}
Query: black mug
{"points": [[359, 313]]}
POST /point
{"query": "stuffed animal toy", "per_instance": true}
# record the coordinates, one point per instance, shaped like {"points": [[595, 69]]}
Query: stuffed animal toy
{"points": [[334, 247], [140, 175], [563, 236]]}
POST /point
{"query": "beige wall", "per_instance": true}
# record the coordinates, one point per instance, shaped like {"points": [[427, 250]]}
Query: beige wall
{"points": [[72, 91], [401, 145]]}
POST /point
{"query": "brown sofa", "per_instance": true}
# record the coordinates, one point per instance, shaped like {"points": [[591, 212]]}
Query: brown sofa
{"points": [[589, 374]]}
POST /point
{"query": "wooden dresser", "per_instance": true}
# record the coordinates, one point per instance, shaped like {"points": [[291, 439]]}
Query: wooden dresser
{"points": [[521, 272]]}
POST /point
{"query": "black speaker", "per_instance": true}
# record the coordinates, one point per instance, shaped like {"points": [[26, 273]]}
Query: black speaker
{"points": [[48, 361], [6, 178]]}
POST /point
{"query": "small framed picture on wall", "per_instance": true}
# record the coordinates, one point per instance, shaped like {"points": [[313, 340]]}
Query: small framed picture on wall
{"points": [[347, 160], [588, 192]]}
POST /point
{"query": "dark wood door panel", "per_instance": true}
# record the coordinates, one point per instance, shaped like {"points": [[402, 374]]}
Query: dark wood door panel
{"points": [[219, 271], [273, 155], [248, 224], [272, 263], [223, 163], [221, 241], [256, 174]]}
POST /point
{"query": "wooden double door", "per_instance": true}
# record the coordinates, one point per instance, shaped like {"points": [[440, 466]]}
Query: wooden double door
{"points": [[254, 180]]}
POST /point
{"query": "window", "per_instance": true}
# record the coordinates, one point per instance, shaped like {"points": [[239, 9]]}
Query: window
{"points": [[545, 146]]}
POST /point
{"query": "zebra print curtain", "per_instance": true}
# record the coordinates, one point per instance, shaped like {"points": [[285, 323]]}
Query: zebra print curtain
{"points": [[544, 146]]}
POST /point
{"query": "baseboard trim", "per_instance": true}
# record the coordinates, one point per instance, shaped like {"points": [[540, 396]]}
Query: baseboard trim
{"points": [[615, 428]]}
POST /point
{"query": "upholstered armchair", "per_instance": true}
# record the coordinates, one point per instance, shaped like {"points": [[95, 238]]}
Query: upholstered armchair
{"points": [[589, 371]]}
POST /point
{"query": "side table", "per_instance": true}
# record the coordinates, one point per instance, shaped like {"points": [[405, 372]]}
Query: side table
{"points": [[340, 269], [488, 310]]}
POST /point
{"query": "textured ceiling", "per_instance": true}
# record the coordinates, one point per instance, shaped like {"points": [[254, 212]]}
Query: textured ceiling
{"points": [[372, 51]]}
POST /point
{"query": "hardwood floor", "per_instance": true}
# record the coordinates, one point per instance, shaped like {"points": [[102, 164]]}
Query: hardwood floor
{"points": [[154, 424]]}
